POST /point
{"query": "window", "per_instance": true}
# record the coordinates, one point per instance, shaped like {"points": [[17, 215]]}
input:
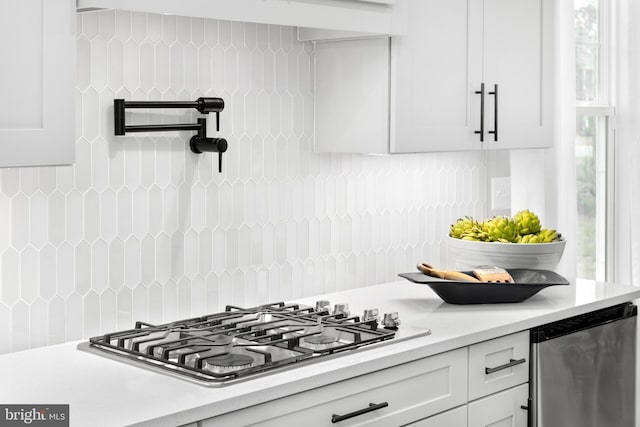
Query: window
{"points": [[594, 136]]}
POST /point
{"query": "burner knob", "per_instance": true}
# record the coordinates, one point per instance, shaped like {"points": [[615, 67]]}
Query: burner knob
{"points": [[371, 314], [323, 305], [341, 309], [391, 320]]}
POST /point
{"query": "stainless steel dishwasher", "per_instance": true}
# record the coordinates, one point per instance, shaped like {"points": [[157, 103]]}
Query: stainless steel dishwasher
{"points": [[584, 370]]}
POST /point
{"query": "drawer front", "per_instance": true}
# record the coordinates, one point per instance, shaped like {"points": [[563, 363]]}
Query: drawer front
{"points": [[412, 391], [498, 364], [452, 418], [501, 409]]}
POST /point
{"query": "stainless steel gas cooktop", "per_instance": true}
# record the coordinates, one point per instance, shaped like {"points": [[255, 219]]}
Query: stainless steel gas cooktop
{"points": [[238, 343]]}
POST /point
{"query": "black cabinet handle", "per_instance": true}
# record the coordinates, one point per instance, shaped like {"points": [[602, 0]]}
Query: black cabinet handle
{"points": [[528, 407], [495, 113], [372, 407], [512, 362], [481, 93]]}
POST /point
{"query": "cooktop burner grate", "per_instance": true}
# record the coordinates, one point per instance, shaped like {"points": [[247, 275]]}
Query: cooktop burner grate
{"points": [[239, 342]]}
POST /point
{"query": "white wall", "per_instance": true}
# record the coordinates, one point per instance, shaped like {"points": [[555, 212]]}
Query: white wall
{"points": [[142, 229]]}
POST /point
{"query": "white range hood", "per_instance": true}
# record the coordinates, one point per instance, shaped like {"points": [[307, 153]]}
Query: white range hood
{"points": [[363, 16]]}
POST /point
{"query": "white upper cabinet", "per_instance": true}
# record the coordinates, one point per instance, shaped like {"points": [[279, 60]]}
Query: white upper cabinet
{"points": [[518, 57], [37, 80], [442, 80], [433, 73], [363, 16], [352, 96]]}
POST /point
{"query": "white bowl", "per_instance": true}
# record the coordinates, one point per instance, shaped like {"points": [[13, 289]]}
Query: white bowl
{"points": [[467, 254]]}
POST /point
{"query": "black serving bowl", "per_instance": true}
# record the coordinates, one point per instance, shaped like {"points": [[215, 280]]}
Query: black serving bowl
{"points": [[526, 284]]}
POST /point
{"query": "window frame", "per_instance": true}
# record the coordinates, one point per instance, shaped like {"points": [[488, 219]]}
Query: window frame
{"points": [[604, 107]]}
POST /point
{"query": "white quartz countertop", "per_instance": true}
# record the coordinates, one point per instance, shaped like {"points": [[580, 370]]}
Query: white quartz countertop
{"points": [[105, 392]]}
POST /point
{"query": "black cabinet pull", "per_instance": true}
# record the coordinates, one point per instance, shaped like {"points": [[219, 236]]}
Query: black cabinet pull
{"points": [[528, 407], [372, 407], [512, 362], [495, 113], [481, 93]]}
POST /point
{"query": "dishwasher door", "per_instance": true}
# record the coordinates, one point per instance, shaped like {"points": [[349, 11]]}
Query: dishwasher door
{"points": [[584, 370]]}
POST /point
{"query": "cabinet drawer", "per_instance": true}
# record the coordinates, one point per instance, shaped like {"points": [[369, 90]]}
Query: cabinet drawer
{"points": [[501, 409], [452, 418], [412, 390], [498, 364]]}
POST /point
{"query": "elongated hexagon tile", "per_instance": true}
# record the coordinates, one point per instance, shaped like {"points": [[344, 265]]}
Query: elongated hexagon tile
{"points": [[183, 300], [212, 302], [56, 321], [198, 298], [140, 303], [91, 310], [108, 311], [154, 303], [116, 264], [38, 221], [147, 260], [19, 326], [190, 68], [29, 275], [83, 67], [132, 262], [47, 182], [99, 69], [10, 273], [47, 272], [155, 210], [140, 212], [170, 209], [91, 215], [28, 181], [123, 25], [38, 330], [124, 308], [74, 316], [169, 301], [9, 181], [65, 267], [19, 222], [79, 262], [204, 68], [191, 254]]}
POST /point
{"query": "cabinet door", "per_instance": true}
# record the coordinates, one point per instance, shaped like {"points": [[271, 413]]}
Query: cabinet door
{"points": [[435, 71], [504, 409], [453, 418], [498, 364], [352, 96], [411, 391], [37, 80], [518, 58]]}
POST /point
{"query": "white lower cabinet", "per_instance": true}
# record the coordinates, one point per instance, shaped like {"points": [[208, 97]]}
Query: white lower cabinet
{"points": [[485, 384], [401, 394], [453, 418], [499, 382], [504, 409], [498, 364]]}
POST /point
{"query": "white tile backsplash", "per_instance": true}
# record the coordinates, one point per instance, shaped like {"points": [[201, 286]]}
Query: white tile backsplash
{"points": [[142, 229]]}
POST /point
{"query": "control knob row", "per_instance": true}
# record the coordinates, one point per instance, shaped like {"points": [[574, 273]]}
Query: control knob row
{"points": [[389, 320]]}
